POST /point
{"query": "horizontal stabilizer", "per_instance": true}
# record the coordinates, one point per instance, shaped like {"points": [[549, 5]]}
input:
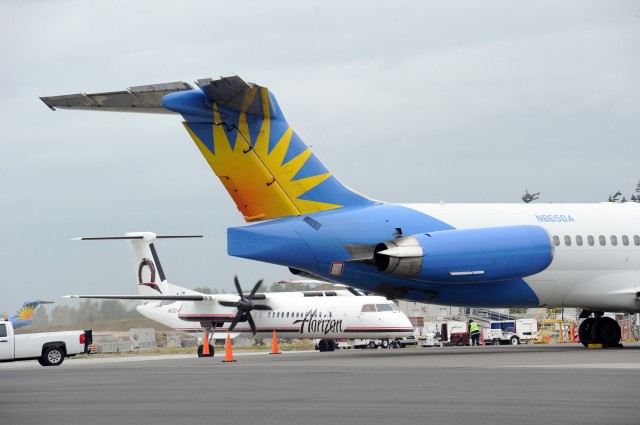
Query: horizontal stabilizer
{"points": [[145, 99], [189, 297], [137, 236]]}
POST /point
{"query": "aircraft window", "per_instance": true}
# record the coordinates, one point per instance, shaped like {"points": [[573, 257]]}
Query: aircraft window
{"points": [[556, 240], [567, 240], [614, 240], [384, 307], [367, 308], [287, 314], [603, 240], [625, 240], [636, 240], [394, 307], [579, 240], [590, 240], [330, 314]]}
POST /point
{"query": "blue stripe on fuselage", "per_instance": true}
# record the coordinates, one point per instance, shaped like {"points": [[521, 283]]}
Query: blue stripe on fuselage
{"points": [[300, 244]]}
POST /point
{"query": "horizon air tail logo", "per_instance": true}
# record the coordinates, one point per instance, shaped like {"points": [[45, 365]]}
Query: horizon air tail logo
{"points": [[318, 324], [146, 269]]}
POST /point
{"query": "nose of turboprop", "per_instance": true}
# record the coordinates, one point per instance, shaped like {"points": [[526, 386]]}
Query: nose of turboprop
{"points": [[272, 242]]}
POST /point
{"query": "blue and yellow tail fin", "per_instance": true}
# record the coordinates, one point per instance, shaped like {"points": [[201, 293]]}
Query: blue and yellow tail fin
{"points": [[24, 316], [241, 131], [266, 168]]}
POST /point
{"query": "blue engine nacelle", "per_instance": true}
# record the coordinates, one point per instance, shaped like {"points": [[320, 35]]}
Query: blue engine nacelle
{"points": [[468, 255]]}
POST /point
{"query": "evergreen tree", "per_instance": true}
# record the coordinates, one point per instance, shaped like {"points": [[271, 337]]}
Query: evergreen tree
{"points": [[529, 197], [206, 290], [614, 197], [40, 317], [62, 315], [288, 287]]}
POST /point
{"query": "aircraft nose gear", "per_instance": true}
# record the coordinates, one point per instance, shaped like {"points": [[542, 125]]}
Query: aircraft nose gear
{"points": [[244, 306]]}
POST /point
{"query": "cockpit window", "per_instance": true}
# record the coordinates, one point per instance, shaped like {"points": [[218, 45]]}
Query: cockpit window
{"points": [[384, 307], [368, 308]]}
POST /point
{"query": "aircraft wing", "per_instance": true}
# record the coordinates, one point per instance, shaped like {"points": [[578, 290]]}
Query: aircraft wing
{"points": [[145, 99], [187, 297]]}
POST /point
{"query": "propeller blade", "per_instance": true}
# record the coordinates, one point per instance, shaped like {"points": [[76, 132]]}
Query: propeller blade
{"points": [[261, 307], [255, 289], [235, 321], [229, 303], [235, 281], [251, 323]]}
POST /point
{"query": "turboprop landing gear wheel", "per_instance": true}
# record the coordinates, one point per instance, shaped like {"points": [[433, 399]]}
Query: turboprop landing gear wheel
{"points": [[323, 345], [606, 331], [584, 331], [201, 351]]}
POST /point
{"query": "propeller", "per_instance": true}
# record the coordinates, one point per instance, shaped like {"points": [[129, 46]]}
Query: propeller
{"points": [[244, 306]]}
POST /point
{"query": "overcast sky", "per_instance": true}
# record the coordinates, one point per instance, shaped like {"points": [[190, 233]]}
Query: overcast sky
{"points": [[404, 101]]}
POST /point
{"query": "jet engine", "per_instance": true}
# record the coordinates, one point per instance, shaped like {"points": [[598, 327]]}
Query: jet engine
{"points": [[467, 255]]}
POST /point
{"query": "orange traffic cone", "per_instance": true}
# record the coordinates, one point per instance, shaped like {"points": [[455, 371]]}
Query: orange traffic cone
{"points": [[274, 344], [573, 334], [205, 345], [228, 356]]}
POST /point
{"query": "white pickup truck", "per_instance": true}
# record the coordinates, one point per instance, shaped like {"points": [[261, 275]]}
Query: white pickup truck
{"points": [[49, 348]]}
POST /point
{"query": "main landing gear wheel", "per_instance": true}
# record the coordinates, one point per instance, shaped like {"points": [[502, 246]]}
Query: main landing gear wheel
{"points": [[327, 345], [606, 331], [603, 330], [584, 331], [201, 349]]}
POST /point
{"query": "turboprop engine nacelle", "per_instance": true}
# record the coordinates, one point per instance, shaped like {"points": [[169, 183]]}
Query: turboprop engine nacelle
{"points": [[467, 255]]}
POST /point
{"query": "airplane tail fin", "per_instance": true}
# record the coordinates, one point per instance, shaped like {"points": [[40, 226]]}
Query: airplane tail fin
{"points": [[24, 316], [148, 270], [240, 130]]}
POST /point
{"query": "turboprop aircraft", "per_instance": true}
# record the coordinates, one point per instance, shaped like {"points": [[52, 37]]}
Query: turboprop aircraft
{"points": [[324, 315], [491, 255], [23, 316]]}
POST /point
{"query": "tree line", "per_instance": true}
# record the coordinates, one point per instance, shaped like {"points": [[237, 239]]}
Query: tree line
{"points": [[616, 197]]}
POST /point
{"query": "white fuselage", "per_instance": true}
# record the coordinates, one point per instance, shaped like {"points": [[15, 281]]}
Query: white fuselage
{"points": [[293, 315], [596, 263]]}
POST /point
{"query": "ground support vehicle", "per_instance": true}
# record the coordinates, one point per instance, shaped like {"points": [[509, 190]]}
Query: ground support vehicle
{"points": [[368, 343], [514, 332], [408, 340], [49, 348], [454, 332], [500, 337]]}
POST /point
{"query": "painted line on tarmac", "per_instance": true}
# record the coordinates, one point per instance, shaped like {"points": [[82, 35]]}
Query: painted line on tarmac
{"points": [[573, 366]]}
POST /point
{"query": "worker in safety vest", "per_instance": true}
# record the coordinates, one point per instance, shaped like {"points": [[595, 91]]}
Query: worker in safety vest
{"points": [[474, 332]]}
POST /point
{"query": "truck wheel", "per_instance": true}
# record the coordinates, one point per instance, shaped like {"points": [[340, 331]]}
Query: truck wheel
{"points": [[385, 343], [496, 342], [515, 340], [402, 345], [372, 345], [52, 356]]}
